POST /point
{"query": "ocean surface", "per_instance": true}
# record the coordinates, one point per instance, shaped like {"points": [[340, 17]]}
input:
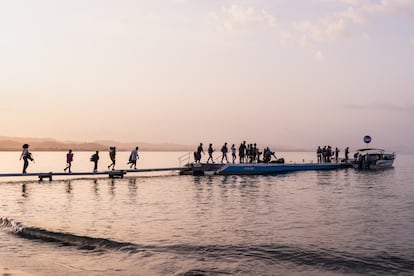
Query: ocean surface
{"points": [[305, 223]]}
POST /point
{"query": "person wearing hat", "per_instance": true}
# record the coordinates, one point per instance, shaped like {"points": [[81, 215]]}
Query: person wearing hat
{"points": [[26, 155]]}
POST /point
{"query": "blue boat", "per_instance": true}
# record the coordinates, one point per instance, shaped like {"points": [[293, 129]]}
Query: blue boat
{"points": [[275, 168], [258, 168]]}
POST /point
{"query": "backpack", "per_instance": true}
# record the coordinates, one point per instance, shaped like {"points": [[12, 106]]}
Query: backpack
{"points": [[93, 158]]}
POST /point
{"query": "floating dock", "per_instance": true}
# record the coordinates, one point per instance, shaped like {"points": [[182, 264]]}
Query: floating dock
{"points": [[111, 174], [199, 169]]}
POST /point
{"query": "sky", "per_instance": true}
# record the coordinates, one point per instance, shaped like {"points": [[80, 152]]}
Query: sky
{"points": [[292, 73]]}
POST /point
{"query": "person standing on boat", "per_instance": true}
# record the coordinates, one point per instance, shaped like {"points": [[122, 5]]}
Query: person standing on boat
{"points": [[336, 154], [95, 159], [224, 151], [328, 154], [255, 152], [112, 155], [319, 154], [242, 151], [26, 155], [250, 153], [346, 153], [133, 157], [210, 151], [69, 159], [324, 149], [233, 152]]}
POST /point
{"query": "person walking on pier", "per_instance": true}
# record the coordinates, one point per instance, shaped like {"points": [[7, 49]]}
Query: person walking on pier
{"points": [[197, 154], [69, 159], [210, 151], [133, 157], [112, 155], [26, 155], [95, 159]]}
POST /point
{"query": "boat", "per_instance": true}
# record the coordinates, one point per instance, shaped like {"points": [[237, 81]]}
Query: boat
{"points": [[373, 159], [276, 168], [261, 168]]}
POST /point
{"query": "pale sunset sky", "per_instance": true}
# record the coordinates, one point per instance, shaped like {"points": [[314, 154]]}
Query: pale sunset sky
{"points": [[294, 73]]}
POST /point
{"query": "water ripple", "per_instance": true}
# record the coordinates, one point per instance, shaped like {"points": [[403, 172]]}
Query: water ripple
{"points": [[321, 258]]}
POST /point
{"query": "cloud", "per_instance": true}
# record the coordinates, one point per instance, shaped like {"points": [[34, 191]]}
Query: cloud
{"points": [[347, 21], [381, 106], [358, 12], [325, 28], [364, 11], [236, 19], [390, 8]]}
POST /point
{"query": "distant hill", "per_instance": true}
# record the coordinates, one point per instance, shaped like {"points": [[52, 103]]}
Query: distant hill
{"points": [[48, 144]]}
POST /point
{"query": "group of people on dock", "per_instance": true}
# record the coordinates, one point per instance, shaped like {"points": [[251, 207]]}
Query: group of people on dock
{"points": [[26, 155], [248, 153], [326, 154]]}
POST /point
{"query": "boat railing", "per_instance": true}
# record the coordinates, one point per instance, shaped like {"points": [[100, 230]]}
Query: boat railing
{"points": [[184, 159]]}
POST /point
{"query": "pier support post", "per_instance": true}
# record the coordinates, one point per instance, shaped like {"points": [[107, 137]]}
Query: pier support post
{"points": [[45, 175], [116, 174]]}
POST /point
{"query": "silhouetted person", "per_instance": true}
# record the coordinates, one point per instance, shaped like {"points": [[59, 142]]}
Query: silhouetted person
{"points": [[197, 154], [336, 154], [319, 154], [254, 152], [95, 159], [224, 151], [112, 155], [69, 159], [346, 153], [233, 152], [267, 155], [133, 157], [210, 151], [242, 151], [26, 155]]}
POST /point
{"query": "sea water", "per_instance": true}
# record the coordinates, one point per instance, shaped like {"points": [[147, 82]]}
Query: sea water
{"points": [[304, 223]]}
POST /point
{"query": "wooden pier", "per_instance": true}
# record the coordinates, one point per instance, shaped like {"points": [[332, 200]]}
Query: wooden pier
{"points": [[111, 174]]}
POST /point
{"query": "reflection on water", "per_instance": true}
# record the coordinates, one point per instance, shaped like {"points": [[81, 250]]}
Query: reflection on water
{"points": [[95, 187], [24, 192], [132, 187], [330, 222], [68, 186], [112, 187]]}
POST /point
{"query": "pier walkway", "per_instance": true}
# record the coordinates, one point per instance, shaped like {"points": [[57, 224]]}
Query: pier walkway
{"points": [[111, 174]]}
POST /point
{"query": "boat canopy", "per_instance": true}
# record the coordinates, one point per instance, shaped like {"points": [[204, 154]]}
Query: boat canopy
{"points": [[371, 151]]}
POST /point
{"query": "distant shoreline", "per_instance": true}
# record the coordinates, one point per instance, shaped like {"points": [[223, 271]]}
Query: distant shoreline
{"points": [[48, 144]]}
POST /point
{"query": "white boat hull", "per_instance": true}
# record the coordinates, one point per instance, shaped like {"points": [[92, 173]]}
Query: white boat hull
{"points": [[374, 159]]}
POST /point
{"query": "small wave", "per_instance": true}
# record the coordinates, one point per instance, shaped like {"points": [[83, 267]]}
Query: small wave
{"points": [[68, 239], [202, 272], [324, 259]]}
